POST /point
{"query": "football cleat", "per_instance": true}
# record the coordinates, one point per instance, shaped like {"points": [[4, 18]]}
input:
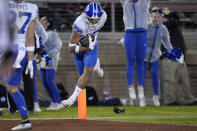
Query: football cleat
{"points": [[140, 92], [156, 100], [67, 103], [132, 94], [26, 126], [142, 102]]}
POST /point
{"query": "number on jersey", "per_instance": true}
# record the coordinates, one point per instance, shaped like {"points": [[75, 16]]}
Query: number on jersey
{"points": [[20, 15]]}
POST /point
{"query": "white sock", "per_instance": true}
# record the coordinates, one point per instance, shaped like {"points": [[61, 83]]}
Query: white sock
{"points": [[76, 93]]}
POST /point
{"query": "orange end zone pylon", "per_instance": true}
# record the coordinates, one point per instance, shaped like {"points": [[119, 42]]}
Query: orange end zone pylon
{"points": [[82, 106]]}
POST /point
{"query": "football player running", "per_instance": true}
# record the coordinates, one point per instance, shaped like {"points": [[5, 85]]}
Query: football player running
{"points": [[23, 15], [86, 53]]}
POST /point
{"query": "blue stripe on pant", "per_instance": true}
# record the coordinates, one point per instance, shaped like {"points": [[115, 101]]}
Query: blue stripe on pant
{"points": [[34, 81], [48, 76], [135, 42], [154, 68]]}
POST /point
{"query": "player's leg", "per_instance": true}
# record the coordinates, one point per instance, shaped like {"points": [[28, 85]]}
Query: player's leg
{"points": [[36, 102], [50, 73], [79, 62], [145, 66], [11, 104], [130, 49], [89, 60], [140, 55], [43, 75], [13, 82], [155, 82]]}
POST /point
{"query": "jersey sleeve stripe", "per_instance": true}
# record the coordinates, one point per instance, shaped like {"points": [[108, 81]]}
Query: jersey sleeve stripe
{"points": [[77, 28]]}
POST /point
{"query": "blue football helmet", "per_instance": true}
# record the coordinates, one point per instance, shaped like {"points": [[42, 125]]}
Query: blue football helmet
{"points": [[93, 10]]}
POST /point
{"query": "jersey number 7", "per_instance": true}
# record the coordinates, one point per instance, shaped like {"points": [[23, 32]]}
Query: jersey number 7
{"points": [[20, 15]]}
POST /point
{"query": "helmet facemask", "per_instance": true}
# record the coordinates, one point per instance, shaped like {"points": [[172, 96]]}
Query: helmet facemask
{"points": [[93, 22]]}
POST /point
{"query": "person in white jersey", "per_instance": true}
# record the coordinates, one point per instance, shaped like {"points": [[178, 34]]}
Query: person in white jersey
{"points": [[87, 24], [23, 16]]}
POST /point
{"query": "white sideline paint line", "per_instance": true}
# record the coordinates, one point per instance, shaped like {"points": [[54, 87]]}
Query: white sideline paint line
{"points": [[144, 117], [121, 117]]}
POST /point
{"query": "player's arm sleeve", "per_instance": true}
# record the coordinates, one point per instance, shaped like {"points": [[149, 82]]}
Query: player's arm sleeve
{"points": [[78, 27], [102, 22], [41, 32], [57, 44], [166, 39], [103, 18]]}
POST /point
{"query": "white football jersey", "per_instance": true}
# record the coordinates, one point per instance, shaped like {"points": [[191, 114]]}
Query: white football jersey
{"points": [[82, 27], [22, 13]]}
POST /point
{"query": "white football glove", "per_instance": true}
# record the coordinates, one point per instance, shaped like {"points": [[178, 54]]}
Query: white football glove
{"points": [[29, 68], [43, 63], [92, 42], [181, 60]]}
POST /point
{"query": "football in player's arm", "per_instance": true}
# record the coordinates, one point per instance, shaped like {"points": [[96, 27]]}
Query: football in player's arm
{"points": [[80, 43]]}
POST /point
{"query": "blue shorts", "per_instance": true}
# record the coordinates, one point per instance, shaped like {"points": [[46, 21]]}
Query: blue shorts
{"points": [[14, 77], [88, 58]]}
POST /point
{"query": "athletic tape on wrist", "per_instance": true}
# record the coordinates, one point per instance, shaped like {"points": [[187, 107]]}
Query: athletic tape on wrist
{"points": [[77, 49], [30, 61], [30, 48], [71, 45]]}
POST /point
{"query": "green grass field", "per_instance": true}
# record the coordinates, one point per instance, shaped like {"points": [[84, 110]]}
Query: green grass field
{"points": [[163, 114]]}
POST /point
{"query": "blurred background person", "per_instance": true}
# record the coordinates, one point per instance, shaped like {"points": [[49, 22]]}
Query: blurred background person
{"points": [[41, 37], [6, 46], [6, 37], [136, 18], [157, 34], [47, 70], [174, 26]]}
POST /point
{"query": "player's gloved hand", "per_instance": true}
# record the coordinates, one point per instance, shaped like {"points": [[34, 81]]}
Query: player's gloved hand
{"points": [[92, 41], [181, 59], [29, 68], [43, 63]]}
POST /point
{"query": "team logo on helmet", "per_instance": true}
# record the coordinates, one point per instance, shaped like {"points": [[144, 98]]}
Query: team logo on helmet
{"points": [[93, 10]]}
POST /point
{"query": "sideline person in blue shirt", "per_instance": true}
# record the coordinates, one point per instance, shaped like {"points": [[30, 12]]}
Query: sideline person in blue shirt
{"points": [[136, 18]]}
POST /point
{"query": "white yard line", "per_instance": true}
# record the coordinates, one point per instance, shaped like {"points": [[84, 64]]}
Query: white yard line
{"points": [[143, 117], [120, 117]]}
